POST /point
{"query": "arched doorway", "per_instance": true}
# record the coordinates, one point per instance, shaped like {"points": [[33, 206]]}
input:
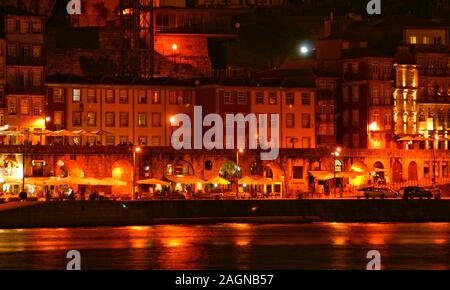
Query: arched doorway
{"points": [[397, 172], [413, 171], [179, 167]]}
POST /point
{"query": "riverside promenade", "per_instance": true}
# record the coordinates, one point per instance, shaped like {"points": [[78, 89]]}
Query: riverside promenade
{"points": [[114, 213]]}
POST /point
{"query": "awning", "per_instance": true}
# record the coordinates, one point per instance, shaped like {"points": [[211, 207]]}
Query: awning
{"points": [[322, 175], [247, 180], [153, 181], [185, 179], [218, 180]]}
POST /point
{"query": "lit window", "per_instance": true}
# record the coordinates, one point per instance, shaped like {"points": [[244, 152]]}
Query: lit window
{"points": [[412, 40], [58, 96], [156, 141], [227, 98], [272, 98], [92, 119], [156, 99], [142, 120], [143, 140], [110, 140], [76, 118], [25, 107], [76, 97], [37, 108], [58, 118]]}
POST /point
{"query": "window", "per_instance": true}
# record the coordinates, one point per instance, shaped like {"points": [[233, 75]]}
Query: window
{"points": [[76, 97], [12, 106], [355, 117], [272, 98], [11, 25], [355, 140], [306, 99], [412, 40], [426, 40], [355, 94], [92, 119], [124, 139], [76, 118], [37, 108], [123, 119], [58, 118], [37, 51], [58, 96], [156, 141], [345, 118], [345, 45], [92, 98], [123, 97], [37, 26], [110, 140], [290, 120], [345, 94], [208, 165], [25, 107], [297, 172], [172, 97], [142, 119], [12, 50], [290, 98], [110, 99], [142, 99], [306, 142], [156, 120], [37, 79], [227, 98], [242, 98], [187, 97], [355, 68], [259, 98], [24, 26], [110, 119], [306, 121], [375, 95], [142, 140], [156, 98]]}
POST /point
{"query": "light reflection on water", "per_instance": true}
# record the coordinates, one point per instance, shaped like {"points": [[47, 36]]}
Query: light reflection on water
{"points": [[231, 246]]}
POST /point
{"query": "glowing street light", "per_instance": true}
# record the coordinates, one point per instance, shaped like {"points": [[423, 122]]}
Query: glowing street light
{"points": [[174, 47], [335, 154], [135, 151], [304, 50]]}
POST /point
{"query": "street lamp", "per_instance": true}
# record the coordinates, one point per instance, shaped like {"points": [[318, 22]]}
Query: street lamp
{"points": [[172, 123], [238, 170], [335, 155], [136, 151]]}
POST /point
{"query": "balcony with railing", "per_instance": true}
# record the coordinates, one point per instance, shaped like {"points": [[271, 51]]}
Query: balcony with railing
{"points": [[25, 61], [25, 90], [435, 99]]}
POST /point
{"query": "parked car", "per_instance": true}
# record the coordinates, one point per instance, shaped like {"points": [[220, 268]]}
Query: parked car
{"points": [[379, 192], [412, 192]]}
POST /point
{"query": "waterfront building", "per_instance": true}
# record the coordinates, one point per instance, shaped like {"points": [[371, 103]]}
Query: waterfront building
{"points": [[21, 71]]}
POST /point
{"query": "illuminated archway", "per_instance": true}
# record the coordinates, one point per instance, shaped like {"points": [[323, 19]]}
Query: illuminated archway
{"points": [[179, 167]]}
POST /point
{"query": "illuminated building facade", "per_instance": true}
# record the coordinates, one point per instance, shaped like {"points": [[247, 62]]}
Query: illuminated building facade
{"points": [[22, 71]]}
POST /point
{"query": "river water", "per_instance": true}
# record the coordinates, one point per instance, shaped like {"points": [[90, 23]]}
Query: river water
{"points": [[231, 246]]}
